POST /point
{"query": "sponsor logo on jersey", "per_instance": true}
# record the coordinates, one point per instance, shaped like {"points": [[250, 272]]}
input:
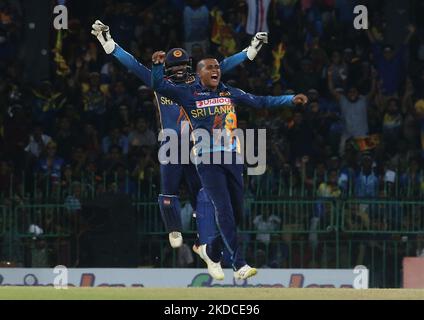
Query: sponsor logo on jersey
{"points": [[213, 102], [202, 93], [190, 79], [166, 101], [225, 94]]}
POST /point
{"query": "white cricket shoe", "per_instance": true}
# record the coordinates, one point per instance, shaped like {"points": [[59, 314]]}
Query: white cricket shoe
{"points": [[197, 250], [214, 268], [245, 272], [175, 239]]}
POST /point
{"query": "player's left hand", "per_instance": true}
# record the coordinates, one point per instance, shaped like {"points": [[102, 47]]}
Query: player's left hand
{"points": [[300, 99], [158, 57], [256, 44], [102, 33]]}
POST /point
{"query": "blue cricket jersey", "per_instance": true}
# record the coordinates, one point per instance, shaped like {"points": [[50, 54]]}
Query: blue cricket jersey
{"points": [[211, 110], [170, 113]]}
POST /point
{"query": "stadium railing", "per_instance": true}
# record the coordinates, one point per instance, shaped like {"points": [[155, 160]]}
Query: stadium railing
{"points": [[306, 231], [382, 216], [277, 184]]}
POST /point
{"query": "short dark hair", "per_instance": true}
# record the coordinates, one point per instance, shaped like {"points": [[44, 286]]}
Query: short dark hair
{"points": [[201, 64]]}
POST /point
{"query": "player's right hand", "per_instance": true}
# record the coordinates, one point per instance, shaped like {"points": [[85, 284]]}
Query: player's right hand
{"points": [[256, 44], [102, 33], [300, 99], [158, 57]]}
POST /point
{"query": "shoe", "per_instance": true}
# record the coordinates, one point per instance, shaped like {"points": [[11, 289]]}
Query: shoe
{"points": [[197, 250], [214, 268], [245, 272], [175, 239]]}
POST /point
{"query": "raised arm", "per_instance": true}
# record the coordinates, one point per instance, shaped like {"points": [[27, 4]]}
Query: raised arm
{"points": [[128, 60], [102, 33], [249, 53], [233, 61], [333, 91], [239, 96], [176, 92], [373, 89], [411, 29]]}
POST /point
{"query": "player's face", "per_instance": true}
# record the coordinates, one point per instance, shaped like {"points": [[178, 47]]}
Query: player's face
{"points": [[179, 72], [210, 73]]}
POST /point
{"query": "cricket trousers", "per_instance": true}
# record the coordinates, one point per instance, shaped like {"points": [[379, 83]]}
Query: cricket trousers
{"points": [[223, 183], [172, 175]]}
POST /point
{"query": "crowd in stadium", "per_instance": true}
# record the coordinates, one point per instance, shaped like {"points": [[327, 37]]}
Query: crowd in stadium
{"points": [[92, 115], [362, 132]]}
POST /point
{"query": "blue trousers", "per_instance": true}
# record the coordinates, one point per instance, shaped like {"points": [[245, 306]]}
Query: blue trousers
{"points": [[223, 184], [172, 175]]}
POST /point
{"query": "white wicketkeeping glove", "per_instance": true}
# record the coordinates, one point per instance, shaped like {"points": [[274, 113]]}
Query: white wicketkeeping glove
{"points": [[256, 44], [102, 33]]}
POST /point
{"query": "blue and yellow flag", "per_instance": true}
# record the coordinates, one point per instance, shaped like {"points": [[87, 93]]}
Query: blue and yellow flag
{"points": [[222, 34], [62, 68], [278, 53]]}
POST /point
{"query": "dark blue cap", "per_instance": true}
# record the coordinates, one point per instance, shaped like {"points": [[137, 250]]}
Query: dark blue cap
{"points": [[176, 57]]}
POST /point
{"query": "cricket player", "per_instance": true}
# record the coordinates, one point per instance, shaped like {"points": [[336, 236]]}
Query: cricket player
{"points": [[210, 105], [178, 70]]}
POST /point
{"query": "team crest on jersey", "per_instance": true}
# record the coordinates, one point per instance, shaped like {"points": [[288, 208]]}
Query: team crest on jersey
{"points": [[178, 53], [225, 94], [190, 79]]}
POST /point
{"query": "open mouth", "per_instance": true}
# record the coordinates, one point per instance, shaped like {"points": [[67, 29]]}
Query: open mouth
{"points": [[214, 77]]}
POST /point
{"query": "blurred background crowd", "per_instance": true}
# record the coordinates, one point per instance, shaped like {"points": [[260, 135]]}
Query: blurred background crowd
{"points": [[92, 116], [361, 135]]}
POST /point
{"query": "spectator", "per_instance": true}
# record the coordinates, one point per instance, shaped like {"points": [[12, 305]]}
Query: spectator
{"points": [[37, 141], [306, 78], [390, 65], [115, 138], [353, 108], [366, 182], [300, 135], [95, 100], [327, 191], [65, 138], [72, 201], [265, 222], [141, 136], [339, 70], [47, 103], [196, 26], [89, 140], [113, 158], [51, 165]]}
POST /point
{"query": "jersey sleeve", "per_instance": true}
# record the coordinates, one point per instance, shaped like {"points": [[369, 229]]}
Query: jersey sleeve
{"points": [[128, 60], [179, 93], [241, 97], [233, 61]]}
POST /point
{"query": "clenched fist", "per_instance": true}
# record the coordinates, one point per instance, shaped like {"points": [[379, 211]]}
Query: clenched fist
{"points": [[300, 99], [158, 57]]}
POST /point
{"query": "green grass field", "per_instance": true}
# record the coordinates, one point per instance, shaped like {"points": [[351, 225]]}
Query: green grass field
{"points": [[40, 293]]}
